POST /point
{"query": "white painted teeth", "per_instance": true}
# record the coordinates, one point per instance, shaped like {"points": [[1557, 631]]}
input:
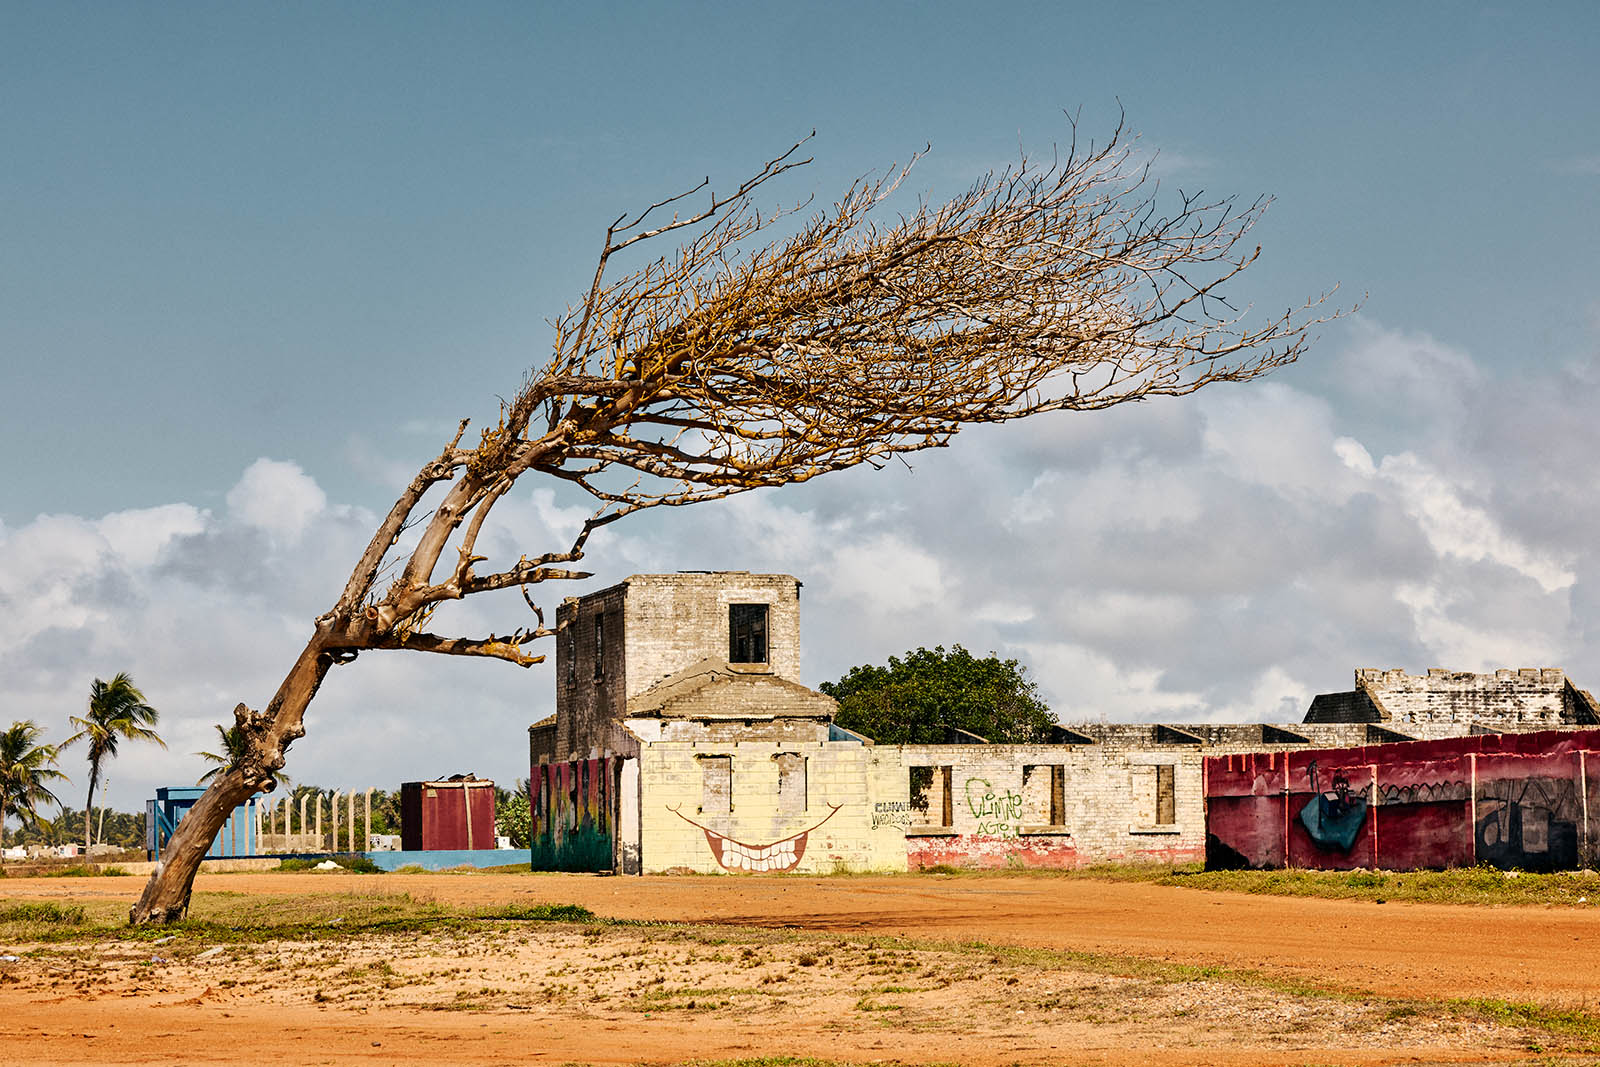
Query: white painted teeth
{"points": [[775, 857]]}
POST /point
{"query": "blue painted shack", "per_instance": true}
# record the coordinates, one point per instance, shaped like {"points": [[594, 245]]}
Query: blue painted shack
{"points": [[162, 815]]}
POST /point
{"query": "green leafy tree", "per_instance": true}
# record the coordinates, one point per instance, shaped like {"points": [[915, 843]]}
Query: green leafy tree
{"points": [[915, 699], [513, 814], [117, 710], [124, 829], [27, 767], [385, 812]]}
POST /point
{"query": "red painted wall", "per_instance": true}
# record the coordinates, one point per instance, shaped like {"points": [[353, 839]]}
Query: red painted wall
{"points": [[987, 853], [1509, 800], [433, 815]]}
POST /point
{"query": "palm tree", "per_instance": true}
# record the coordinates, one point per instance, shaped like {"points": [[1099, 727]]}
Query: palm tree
{"points": [[26, 769], [231, 750], [117, 710]]}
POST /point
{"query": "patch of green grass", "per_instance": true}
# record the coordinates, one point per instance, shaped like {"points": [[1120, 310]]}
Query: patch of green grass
{"points": [[43, 912], [1565, 1022], [560, 913], [1469, 885], [81, 870], [227, 916], [1481, 886]]}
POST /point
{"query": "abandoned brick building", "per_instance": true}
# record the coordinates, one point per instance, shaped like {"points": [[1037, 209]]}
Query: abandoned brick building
{"points": [[683, 739]]}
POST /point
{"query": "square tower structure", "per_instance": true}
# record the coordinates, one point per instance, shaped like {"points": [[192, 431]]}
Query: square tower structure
{"points": [[621, 641]]}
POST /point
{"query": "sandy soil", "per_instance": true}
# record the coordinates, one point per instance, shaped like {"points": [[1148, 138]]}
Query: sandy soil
{"points": [[812, 986]]}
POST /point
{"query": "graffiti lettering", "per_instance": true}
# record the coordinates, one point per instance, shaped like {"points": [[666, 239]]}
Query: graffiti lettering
{"points": [[985, 803], [998, 813], [896, 813]]}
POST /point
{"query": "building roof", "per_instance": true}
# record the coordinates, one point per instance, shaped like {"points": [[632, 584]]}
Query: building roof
{"points": [[712, 688]]}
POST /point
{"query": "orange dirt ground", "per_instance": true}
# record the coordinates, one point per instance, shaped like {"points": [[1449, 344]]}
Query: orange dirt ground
{"points": [[578, 1000]]}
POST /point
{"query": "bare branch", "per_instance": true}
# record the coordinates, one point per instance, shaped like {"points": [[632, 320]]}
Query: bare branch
{"points": [[491, 647]]}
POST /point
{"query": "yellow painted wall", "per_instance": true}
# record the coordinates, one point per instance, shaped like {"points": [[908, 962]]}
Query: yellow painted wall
{"points": [[866, 832]]}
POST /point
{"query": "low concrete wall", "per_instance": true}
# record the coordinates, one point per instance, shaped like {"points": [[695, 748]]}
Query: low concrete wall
{"points": [[442, 860], [236, 863]]}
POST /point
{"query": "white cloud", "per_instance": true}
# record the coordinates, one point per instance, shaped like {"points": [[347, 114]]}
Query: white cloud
{"points": [[277, 497], [1461, 530], [885, 575], [139, 536]]}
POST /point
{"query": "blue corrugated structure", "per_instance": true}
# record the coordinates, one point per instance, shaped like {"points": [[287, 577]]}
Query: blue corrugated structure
{"points": [[162, 815]]}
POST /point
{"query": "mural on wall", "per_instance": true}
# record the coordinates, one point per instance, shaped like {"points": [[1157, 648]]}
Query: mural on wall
{"points": [[1333, 818], [574, 815], [1424, 792], [1530, 823], [1518, 800], [731, 855]]}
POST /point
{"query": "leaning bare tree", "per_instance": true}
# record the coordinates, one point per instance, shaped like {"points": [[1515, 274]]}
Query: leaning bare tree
{"points": [[744, 360]]}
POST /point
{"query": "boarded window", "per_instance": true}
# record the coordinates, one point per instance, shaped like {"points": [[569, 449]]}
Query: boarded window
{"points": [[1044, 794], [599, 646], [716, 788], [791, 783], [930, 796], [1166, 795], [747, 633]]}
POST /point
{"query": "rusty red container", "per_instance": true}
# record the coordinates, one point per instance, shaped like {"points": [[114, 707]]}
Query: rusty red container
{"points": [[451, 815]]}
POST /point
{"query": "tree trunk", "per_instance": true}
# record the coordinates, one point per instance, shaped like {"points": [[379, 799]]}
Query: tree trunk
{"points": [[166, 895], [88, 805]]}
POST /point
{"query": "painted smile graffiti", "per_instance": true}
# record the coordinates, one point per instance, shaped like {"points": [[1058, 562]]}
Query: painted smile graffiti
{"points": [[731, 855]]}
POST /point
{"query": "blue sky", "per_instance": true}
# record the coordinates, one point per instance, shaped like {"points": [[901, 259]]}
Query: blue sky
{"points": [[255, 262]]}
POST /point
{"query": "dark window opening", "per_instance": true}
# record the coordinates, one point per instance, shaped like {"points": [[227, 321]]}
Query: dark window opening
{"points": [[747, 633], [570, 646], [599, 646], [930, 795]]}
